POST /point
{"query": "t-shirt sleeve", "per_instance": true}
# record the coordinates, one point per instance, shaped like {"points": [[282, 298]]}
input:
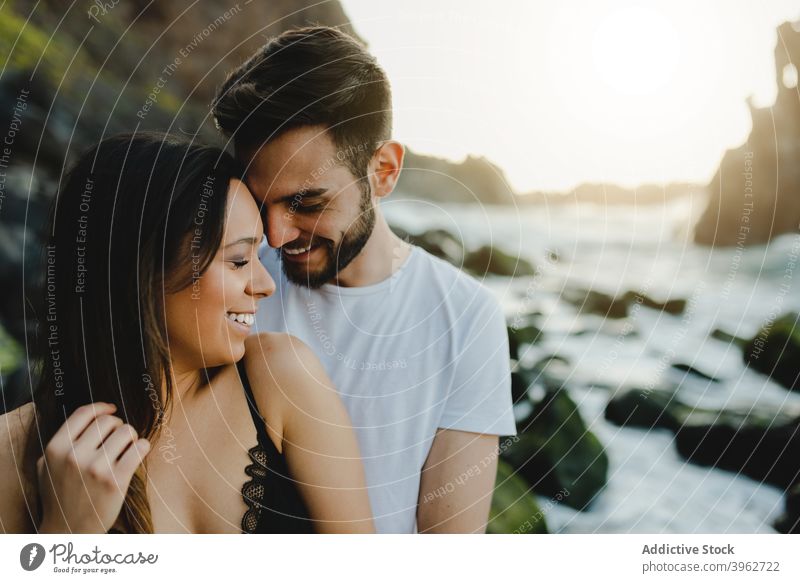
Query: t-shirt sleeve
{"points": [[479, 400]]}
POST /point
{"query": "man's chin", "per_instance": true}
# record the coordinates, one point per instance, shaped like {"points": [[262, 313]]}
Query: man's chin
{"points": [[313, 279]]}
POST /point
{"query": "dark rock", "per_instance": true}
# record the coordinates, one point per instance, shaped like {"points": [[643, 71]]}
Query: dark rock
{"points": [[484, 261], [789, 522], [644, 409], [595, 302], [661, 409], [521, 380], [475, 180], [724, 336], [775, 351], [554, 451], [437, 242], [491, 260], [757, 443], [765, 453], [514, 506], [674, 306], [521, 333], [553, 371], [690, 369]]}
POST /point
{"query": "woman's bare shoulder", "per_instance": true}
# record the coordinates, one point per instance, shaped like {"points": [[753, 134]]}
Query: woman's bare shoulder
{"points": [[269, 345], [14, 427], [285, 372], [279, 360]]}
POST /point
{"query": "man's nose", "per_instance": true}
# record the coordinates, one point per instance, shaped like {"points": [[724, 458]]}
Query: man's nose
{"points": [[280, 227], [261, 283]]}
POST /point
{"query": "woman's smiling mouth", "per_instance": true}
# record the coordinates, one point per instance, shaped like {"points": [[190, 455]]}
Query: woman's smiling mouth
{"points": [[245, 319]]}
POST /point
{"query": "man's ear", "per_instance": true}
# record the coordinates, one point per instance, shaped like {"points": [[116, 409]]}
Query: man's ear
{"points": [[385, 166]]}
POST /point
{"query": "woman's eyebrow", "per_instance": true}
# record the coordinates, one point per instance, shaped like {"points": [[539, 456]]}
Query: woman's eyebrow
{"points": [[248, 240]]}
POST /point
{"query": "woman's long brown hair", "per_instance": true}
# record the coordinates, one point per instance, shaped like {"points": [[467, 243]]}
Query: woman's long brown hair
{"points": [[137, 217]]}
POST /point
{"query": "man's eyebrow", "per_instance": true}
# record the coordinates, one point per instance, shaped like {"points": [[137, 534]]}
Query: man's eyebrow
{"points": [[297, 196], [248, 240]]}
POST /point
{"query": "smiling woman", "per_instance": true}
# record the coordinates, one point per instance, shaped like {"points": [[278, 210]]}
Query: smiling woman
{"points": [[151, 354]]}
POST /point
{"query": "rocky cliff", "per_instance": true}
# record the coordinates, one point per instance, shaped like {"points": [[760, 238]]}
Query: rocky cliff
{"points": [[755, 193]]}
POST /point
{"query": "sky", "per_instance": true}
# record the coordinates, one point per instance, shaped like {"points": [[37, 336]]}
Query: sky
{"points": [[562, 93]]}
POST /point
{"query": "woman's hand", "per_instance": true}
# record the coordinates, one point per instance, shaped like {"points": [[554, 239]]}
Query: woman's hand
{"points": [[86, 469]]}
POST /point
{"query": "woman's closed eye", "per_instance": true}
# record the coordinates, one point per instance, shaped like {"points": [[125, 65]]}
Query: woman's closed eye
{"points": [[239, 263]]}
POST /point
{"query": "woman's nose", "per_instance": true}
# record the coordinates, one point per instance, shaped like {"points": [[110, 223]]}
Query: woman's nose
{"points": [[261, 283]]}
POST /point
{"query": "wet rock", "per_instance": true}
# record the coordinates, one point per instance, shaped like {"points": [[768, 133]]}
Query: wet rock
{"points": [[595, 302], [437, 242], [491, 260], [757, 443], [789, 522], [672, 306], [514, 506], [692, 370], [522, 333], [766, 453], [724, 336], [486, 260], [775, 351], [550, 372], [520, 381], [610, 306], [555, 451], [553, 371], [662, 409], [645, 409]]}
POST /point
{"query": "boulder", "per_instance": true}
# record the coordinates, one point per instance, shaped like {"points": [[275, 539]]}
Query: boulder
{"points": [[789, 522], [671, 306], [555, 451], [775, 351], [522, 333], [514, 506], [757, 443], [596, 302], [489, 260]]}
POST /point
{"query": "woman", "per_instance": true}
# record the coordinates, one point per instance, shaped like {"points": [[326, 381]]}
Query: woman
{"points": [[156, 409]]}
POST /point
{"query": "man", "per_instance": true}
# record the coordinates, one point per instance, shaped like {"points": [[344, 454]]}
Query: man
{"points": [[417, 349]]}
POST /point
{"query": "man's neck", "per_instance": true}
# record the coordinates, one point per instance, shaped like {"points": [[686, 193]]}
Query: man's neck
{"points": [[381, 257]]}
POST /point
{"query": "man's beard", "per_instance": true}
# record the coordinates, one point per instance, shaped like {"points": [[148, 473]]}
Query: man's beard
{"points": [[337, 257]]}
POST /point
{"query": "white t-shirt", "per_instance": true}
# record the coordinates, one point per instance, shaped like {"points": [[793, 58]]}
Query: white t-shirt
{"points": [[426, 348]]}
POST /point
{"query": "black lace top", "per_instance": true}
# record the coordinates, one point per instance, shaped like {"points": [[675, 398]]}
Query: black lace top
{"points": [[273, 500], [274, 505]]}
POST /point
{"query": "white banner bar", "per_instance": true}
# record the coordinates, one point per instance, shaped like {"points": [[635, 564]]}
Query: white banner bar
{"points": [[492, 559]]}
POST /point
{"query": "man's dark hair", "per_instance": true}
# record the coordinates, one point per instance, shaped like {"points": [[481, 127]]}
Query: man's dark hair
{"points": [[305, 77]]}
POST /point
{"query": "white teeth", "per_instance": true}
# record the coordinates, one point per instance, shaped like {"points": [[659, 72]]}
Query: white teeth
{"points": [[246, 319], [296, 251]]}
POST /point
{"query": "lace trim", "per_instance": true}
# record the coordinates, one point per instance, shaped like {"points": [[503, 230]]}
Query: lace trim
{"points": [[253, 490]]}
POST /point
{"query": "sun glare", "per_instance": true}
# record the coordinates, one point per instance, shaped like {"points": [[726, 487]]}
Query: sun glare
{"points": [[561, 93], [635, 51]]}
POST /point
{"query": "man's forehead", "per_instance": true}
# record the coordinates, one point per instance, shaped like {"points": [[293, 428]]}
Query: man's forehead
{"points": [[284, 167], [295, 149]]}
